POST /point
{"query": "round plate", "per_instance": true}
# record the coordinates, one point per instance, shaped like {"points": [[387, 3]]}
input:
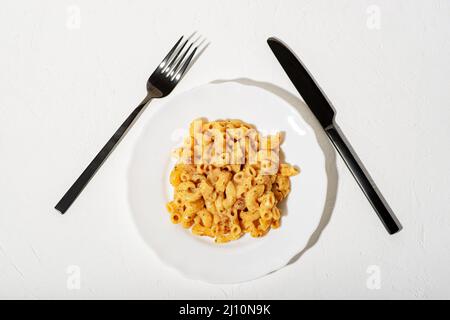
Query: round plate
{"points": [[149, 188]]}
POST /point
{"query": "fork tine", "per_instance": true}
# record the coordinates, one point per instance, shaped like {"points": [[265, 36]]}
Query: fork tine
{"points": [[167, 57], [179, 73], [171, 73], [174, 57]]}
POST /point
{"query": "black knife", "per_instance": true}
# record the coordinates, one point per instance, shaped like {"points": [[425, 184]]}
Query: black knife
{"points": [[324, 112]]}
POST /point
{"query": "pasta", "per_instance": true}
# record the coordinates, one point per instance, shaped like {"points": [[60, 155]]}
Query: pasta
{"points": [[228, 181]]}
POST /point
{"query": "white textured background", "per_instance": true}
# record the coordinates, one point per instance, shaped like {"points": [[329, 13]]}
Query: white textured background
{"points": [[67, 83]]}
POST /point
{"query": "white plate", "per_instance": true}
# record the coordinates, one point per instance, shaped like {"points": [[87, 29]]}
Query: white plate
{"points": [[149, 188]]}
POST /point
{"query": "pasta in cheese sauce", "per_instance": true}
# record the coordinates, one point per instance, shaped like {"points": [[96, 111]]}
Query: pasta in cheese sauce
{"points": [[228, 181]]}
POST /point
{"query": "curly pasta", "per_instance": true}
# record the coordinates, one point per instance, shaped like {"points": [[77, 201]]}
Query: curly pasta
{"points": [[228, 181]]}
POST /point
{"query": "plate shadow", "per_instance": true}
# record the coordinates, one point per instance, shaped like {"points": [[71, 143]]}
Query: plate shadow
{"points": [[324, 143]]}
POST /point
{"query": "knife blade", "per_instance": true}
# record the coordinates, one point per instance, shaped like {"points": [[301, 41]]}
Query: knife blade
{"points": [[325, 114]]}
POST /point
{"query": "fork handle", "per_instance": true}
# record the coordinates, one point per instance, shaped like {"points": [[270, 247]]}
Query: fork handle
{"points": [[78, 186], [360, 174]]}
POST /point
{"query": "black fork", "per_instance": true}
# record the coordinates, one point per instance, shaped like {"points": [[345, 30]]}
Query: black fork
{"points": [[162, 81]]}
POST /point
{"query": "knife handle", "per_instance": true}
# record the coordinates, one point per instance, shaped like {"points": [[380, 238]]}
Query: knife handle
{"points": [[361, 175]]}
